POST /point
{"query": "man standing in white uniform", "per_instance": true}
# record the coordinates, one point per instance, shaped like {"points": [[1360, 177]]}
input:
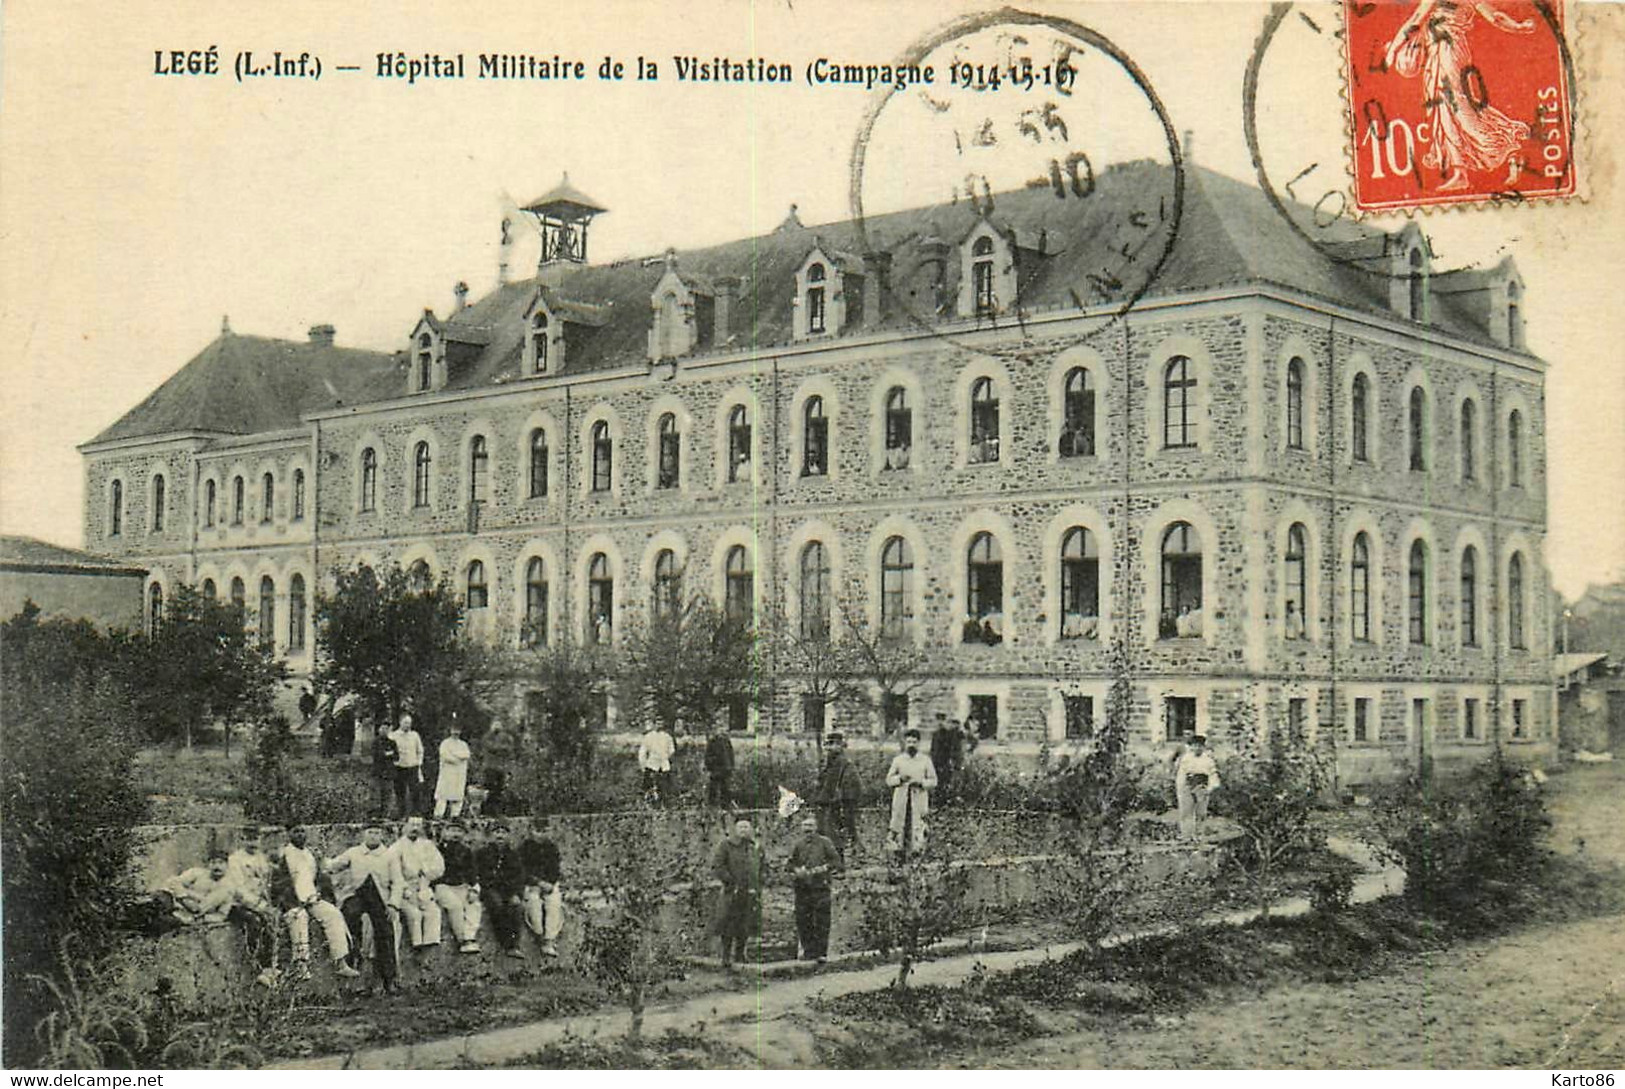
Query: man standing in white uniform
{"points": [[452, 782], [1196, 775], [912, 777]]}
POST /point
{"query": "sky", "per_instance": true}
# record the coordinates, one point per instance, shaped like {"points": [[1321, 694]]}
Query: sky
{"points": [[137, 209]]}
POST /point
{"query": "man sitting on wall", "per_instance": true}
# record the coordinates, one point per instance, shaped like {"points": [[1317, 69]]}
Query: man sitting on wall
{"points": [[543, 898], [458, 889], [294, 892], [419, 864], [369, 887], [502, 883]]}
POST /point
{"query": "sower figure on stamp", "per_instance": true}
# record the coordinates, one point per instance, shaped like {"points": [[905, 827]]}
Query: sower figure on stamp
{"points": [[294, 892], [738, 863], [1466, 133], [1196, 775], [912, 778], [838, 793], [813, 861], [458, 890], [370, 889]]}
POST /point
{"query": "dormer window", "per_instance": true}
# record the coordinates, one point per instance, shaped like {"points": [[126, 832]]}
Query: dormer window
{"points": [[982, 294], [425, 362], [538, 343], [815, 299]]}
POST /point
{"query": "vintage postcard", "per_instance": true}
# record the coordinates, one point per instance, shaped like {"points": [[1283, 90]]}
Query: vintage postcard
{"points": [[750, 535]]}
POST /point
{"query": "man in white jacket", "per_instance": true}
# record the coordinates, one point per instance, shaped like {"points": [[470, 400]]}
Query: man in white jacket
{"points": [[452, 782], [1196, 775], [912, 777], [420, 865], [654, 757], [408, 765]]}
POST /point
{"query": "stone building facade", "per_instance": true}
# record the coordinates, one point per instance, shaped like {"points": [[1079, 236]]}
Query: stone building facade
{"points": [[1312, 479]]}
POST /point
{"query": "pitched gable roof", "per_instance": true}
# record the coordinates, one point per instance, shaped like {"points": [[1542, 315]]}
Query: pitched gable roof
{"points": [[32, 554]]}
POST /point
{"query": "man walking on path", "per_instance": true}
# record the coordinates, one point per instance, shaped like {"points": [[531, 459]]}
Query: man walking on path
{"points": [[1196, 775], [838, 792], [408, 766], [371, 889], [452, 782], [293, 890], [812, 861], [654, 757], [719, 768], [947, 753], [458, 890], [738, 864], [912, 778]]}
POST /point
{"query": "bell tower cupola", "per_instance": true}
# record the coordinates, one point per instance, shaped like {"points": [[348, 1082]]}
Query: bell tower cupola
{"points": [[562, 217]]}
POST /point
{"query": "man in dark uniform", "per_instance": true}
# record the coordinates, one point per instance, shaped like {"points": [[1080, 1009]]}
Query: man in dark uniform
{"points": [[543, 897], [812, 861], [457, 890], [738, 863], [719, 768], [383, 768], [502, 884], [947, 754], [838, 792]]}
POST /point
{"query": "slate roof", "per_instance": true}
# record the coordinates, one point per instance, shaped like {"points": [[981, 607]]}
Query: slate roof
{"points": [[244, 385], [1229, 235], [32, 554]]}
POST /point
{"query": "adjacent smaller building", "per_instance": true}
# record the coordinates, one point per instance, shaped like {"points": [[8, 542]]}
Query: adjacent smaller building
{"points": [[69, 584]]}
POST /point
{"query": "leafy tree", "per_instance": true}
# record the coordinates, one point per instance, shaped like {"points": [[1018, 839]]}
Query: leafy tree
{"points": [[199, 666], [398, 644], [68, 799], [892, 664], [551, 761], [1271, 782], [637, 938], [683, 669]]}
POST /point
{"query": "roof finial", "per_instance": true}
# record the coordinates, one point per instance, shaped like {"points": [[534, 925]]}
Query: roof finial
{"points": [[671, 257], [225, 325], [792, 222]]}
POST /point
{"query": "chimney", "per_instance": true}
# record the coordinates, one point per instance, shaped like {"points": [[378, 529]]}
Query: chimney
{"points": [[504, 250], [727, 299], [322, 336], [461, 291], [876, 285]]}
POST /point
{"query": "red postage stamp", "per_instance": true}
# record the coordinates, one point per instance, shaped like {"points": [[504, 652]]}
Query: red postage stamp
{"points": [[1458, 101]]}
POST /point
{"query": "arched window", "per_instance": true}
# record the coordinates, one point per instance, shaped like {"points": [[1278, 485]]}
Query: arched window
{"points": [[209, 591], [158, 503], [984, 591], [1469, 439], [739, 587], [815, 299], [419, 578], [896, 587], [815, 591], [421, 465], [899, 428], [1297, 582], [1178, 408], [208, 503], [1515, 602], [738, 443], [1418, 593], [538, 343], [479, 464], [538, 464], [479, 593], [984, 421], [669, 471], [267, 497], [298, 495], [237, 501], [668, 585], [1294, 403], [115, 513], [267, 612], [1418, 428], [1469, 596], [981, 270], [1418, 286], [814, 438], [1080, 585], [1360, 589], [603, 457], [534, 633], [1077, 415], [155, 609], [296, 613], [1181, 616], [369, 480], [1515, 448], [600, 600], [1360, 423], [239, 595], [425, 361]]}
